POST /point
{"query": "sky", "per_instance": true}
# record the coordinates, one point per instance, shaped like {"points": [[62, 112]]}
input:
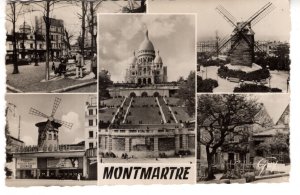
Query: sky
{"points": [[275, 26], [275, 103], [120, 35], [71, 109], [66, 11]]}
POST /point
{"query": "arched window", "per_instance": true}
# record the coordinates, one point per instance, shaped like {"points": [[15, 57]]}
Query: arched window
{"points": [[144, 94], [156, 94], [132, 94]]}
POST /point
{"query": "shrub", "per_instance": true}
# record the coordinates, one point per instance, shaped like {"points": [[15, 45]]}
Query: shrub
{"points": [[256, 75], [255, 88], [206, 85]]}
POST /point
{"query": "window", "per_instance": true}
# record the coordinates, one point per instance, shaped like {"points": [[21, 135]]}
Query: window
{"points": [[91, 145], [90, 112], [41, 46], [31, 45], [54, 136], [91, 134], [90, 122], [50, 137]]}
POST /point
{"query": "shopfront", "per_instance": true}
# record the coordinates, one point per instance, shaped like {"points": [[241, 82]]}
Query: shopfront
{"points": [[50, 166]]}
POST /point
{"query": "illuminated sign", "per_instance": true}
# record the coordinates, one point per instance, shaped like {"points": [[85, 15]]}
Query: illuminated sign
{"points": [[26, 163]]}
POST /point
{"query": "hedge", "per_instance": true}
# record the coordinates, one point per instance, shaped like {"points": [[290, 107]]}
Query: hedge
{"points": [[255, 88], [256, 75]]}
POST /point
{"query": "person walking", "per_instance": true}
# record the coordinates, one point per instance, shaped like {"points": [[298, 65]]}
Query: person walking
{"points": [[79, 61], [94, 65]]}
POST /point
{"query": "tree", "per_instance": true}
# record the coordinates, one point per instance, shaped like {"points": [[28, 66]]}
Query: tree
{"points": [[104, 83], [12, 16], [67, 38], [275, 144], [186, 93], [218, 116], [282, 52]]}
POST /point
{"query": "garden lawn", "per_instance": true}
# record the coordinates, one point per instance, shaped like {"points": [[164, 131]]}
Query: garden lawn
{"points": [[30, 77]]}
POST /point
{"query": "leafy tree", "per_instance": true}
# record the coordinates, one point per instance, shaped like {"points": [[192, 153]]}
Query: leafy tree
{"points": [[219, 116], [104, 83], [275, 144], [186, 93]]}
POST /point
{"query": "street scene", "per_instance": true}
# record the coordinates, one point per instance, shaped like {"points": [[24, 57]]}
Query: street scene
{"points": [[51, 46], [53, 143], [243, 138], [147, 89]]}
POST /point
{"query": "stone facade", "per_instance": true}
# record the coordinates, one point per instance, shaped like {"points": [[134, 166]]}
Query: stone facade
{"points": [[146, 67]]}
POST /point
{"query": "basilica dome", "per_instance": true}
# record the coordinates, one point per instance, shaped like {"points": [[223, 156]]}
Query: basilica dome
{"points": [[146, 45], [158, 59]]}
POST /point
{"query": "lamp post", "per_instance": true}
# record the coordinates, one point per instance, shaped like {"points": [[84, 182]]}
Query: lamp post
{"points": [[287, 84]]}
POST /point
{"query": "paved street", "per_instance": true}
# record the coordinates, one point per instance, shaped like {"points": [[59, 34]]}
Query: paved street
{"points": [[278, 80], [31, 79], [273, 180], [47, 182]]}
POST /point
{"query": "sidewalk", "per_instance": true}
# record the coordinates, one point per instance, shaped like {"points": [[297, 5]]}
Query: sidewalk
{"points": [[31, 79]]}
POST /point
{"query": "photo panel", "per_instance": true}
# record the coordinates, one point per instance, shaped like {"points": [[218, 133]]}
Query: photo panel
{"points": [[243, 138], [51, 46], [51, 140], [240, 49], [146, 98]]}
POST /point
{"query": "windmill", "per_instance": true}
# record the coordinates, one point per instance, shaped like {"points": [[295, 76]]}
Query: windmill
{"points": [[48, 131], [242, 42]]}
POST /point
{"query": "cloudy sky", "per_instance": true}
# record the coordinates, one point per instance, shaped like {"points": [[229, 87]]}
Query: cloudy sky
{"points": [[173, 35], [62, 10], [71, 109], [275, 26]]}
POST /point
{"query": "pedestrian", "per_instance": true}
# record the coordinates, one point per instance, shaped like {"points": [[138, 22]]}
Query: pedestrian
{"points": [[79, 61], [78, 176], [94, 65]]}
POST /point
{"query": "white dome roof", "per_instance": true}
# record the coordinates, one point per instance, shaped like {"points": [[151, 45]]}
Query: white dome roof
{"points": [[146, 44], [158, 59]]}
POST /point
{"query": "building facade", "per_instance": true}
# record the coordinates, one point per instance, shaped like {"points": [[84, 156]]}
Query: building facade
{"points": [[146, 67], [30, 44], [57, 47]]}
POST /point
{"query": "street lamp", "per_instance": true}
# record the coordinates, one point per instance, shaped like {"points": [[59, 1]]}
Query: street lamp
{"points": [[287, 84]]}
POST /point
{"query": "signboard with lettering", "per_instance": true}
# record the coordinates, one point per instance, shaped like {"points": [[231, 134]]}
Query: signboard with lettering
{"points": [[63, 163], [26, 163]]}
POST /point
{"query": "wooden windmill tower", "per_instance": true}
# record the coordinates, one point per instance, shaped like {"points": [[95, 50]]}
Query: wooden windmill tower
{"points": [[48, 130], [242, 38]]}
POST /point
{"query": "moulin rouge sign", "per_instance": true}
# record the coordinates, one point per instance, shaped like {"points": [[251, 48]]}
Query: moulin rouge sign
{"points": [[26, 163]]}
